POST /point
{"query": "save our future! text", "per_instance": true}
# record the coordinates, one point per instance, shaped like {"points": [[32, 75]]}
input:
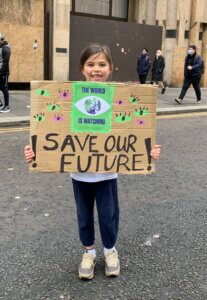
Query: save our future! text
{"points": [[114, 156]]}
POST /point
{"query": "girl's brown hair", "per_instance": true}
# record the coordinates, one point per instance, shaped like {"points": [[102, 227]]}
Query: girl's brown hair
{"points": [[95, 49]]}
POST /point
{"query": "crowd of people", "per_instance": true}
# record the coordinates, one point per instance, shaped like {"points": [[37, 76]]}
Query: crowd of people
{"points": [[193, 69]]}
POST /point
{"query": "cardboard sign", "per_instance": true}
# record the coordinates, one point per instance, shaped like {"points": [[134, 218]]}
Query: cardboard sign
{"points": [[93, 127]]}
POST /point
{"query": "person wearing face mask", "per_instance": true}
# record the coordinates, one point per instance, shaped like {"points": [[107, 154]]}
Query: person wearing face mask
{"points": [[157, 70], [143, 65], [4, 73], [192, 74]]}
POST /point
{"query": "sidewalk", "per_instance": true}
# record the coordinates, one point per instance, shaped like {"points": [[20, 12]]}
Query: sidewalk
{"points": [[20, 106]]}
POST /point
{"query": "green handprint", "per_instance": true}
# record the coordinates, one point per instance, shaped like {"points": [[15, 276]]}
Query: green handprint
{"points": [[123, 118], [141, 112], [133, 99], [53, 106], [41, 92], [39, 117]]}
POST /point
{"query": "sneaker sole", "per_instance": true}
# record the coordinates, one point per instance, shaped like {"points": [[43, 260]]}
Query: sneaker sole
{"points": [[84, 277], [87, 277], [112, 274], [3, 112]]}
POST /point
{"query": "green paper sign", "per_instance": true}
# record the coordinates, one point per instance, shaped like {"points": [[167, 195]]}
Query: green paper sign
{"points": [[92, 107]]}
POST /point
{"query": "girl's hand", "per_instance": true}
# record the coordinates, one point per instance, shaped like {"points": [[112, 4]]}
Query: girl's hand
{"points": [[155, 152], [28, 153]]}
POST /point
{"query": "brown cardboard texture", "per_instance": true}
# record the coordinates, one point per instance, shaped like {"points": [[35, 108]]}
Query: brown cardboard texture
{"points": [[93, 127]]}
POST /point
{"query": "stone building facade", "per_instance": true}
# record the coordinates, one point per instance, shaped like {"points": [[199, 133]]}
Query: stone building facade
{"points": [[39, 32]]}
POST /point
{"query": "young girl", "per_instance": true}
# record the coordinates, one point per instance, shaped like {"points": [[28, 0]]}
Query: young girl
{"points": [[96, 65]]}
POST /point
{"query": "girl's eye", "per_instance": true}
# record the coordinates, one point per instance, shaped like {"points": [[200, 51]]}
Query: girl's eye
{"points": [[103, 65]]}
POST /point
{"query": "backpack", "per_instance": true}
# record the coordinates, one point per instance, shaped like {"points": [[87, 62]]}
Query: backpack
{"points": [[202, 65]]}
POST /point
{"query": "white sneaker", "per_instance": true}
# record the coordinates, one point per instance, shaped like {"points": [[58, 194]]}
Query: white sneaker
{"points": [[5, 109], [112, 264], [86, 268], [178, 101]]}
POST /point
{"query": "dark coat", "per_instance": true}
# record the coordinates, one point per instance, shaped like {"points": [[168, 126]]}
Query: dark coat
{"points": [[196, 62], [143, 64], [158, 68], [4, 58]]}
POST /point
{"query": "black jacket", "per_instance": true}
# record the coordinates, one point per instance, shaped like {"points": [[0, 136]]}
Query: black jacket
{"points": [[143, 64], [196, 62], [4, 58], [158, 68]]}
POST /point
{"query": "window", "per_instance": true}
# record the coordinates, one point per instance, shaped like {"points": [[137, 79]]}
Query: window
{"points": [[171, 33], [110, 9], [96, 7], [119, 8]]}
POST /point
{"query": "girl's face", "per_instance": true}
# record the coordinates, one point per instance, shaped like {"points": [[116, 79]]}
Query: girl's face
{"points": [[96, 68]]}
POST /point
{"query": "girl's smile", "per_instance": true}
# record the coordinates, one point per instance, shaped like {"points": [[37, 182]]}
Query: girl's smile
{"points": [[96, 68]]}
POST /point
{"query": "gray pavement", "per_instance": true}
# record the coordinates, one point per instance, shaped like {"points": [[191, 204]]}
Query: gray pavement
{"points": [[20, 106], [163, 226]]}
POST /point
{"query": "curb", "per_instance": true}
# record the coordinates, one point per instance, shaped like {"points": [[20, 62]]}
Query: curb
{"points": [[15, 122], [180, 110]]}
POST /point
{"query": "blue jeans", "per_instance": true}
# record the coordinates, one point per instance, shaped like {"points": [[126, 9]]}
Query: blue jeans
{"points": [[106, 196]]}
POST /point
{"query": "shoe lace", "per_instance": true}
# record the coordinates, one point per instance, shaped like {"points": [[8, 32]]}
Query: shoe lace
{"points": [[87, 260], [112, 258]]}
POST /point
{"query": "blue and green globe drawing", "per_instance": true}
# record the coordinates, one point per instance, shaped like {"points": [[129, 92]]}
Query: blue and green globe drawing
{"points": [[92, 106]]}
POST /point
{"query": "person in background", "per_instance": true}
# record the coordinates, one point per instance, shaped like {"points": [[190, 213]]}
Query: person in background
{"points": [[4, 73], [143, 65], [157, 70], [192, 74]]}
